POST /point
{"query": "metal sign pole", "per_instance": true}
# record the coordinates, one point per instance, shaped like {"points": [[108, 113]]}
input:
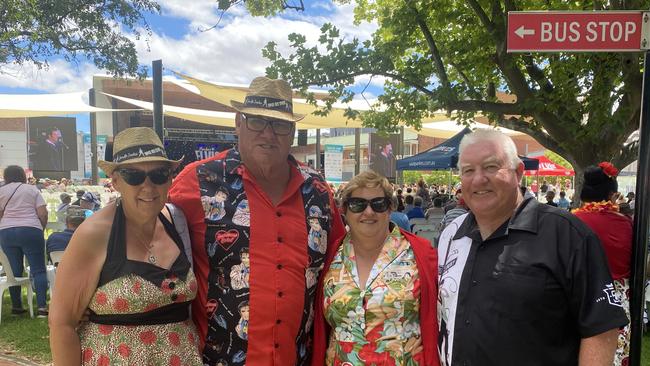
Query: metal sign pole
{"points": [[640, 243], [158, 119]]}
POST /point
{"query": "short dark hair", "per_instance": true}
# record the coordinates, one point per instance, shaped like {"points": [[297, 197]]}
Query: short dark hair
{"points": [[562, 193], [51, 129], [408, 200], [14, 173], [417, 201]]}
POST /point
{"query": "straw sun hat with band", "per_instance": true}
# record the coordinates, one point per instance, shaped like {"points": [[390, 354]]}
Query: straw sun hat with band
{"points": [[136, 145], [268, 98]]}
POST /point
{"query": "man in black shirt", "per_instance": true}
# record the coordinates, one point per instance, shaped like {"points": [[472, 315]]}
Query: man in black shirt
{"points": [[521, 283]]}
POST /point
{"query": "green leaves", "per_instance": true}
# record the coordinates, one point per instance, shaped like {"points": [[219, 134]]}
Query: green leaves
{"points": [[568, 102], [36, 31]]}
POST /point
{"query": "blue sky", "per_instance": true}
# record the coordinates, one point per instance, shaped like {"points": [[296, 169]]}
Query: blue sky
{"points": [[229, 53]]}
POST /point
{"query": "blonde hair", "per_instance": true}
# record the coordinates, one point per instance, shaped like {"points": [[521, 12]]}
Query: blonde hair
{"points": [[367, 179]]}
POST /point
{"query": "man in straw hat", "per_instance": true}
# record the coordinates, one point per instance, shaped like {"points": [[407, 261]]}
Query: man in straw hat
{"points": [[267, 199]]}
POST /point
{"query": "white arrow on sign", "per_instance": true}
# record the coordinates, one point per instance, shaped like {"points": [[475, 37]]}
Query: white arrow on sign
{"points": [[521, 32]]}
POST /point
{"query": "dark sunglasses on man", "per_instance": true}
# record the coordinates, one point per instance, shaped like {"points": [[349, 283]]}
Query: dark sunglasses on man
{"points": [[258, 124], [135, 177], [377, 204]]}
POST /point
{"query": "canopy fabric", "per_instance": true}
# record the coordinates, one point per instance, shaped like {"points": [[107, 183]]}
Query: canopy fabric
{"points": [[442, 156], [549, 168], [529, 163], [223, 94], [214, 118], [42, 105], [445, 156]]}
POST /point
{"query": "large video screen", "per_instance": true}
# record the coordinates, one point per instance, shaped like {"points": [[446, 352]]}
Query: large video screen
{"points": [[382, 154], [52, 144]]}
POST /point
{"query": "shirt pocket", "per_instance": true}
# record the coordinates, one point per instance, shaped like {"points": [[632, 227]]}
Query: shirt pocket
{"points": [[517, 291]]}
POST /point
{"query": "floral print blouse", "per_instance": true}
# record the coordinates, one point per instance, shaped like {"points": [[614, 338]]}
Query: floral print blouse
{"points": [[376, 323]]}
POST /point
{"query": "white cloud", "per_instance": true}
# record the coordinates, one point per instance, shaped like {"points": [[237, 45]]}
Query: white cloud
{"points": [[230, 53], [59, 77]]}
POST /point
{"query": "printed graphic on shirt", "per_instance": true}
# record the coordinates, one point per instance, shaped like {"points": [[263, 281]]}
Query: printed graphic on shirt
{"points": [[452, 255], [227, 245], [611, 296], [240, 273], [242, 215], [317, 239], [242, 325], [214, 206]]}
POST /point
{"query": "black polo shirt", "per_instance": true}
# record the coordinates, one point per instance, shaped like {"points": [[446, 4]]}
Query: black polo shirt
{"points": [[527, 294]]}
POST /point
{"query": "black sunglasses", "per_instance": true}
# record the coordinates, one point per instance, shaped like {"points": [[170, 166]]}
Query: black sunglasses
{"points": [[135, 177], [258, 124], [378, 204]]}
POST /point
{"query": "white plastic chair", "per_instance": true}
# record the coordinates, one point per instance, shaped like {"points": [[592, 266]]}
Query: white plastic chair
{"points": [[9, 280], [431, 235], [55, 256], [423, 227]]}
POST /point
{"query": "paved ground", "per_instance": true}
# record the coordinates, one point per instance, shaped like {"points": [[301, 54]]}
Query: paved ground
{"points": [[7, 360]]}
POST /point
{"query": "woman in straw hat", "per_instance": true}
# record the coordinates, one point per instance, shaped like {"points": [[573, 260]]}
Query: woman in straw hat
{"points": [[128, 266]]}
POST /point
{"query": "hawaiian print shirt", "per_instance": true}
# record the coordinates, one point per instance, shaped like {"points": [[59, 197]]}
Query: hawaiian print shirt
{"points": [[376, 323]]}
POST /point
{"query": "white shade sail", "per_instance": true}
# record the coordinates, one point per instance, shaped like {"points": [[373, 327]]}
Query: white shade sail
{"points": [[41, 105]]}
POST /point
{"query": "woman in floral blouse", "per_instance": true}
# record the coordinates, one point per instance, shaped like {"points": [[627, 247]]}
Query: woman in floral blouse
{"points": [[127, 265], [377, 299]]}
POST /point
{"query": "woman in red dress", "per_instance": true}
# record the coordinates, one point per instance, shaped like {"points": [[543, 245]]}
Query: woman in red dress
{"points": [[614, 230]]}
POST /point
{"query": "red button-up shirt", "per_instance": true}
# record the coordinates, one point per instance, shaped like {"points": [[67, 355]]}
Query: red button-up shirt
{"points": [[279, 261]]}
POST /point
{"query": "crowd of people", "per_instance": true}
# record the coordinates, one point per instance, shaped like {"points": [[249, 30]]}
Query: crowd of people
{"points": [[250, 258]]}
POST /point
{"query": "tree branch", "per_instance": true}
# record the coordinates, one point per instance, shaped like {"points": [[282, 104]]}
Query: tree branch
{"points": [[544, 139], [471, 90], [433, 48], [485, 106], [628, 154], [372, 73]]}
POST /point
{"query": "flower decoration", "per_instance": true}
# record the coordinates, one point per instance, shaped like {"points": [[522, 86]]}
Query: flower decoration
{"points": [[609, 169]]}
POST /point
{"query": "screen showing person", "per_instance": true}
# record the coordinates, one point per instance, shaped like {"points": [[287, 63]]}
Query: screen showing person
{"points": [[52, 144]]}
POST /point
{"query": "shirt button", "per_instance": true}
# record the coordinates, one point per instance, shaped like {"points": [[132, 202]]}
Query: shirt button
{"points": [[277, 345], [474, 282], [467, 322], [279, 239], [278, 214], [278, 321], [279, 266], [280, 294]]}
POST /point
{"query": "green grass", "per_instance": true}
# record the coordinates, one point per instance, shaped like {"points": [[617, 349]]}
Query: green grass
{"points": [[28, 337]]}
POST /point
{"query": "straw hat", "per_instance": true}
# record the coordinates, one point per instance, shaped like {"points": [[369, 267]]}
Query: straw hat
{"points": [[269, 98], [136, 145]]}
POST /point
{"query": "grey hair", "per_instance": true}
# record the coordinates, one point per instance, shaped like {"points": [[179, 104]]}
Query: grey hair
{"points": [[484, 134]]}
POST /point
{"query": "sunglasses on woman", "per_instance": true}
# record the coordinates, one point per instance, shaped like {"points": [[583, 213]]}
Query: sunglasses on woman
{"points": [[377, 204], [135, 177]]}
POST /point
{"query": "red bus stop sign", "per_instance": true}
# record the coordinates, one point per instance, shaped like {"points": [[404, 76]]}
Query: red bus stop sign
{"points": [[568, 31]]}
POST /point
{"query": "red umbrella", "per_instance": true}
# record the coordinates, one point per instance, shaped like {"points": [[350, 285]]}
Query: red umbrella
{"points": [[547, 167]]}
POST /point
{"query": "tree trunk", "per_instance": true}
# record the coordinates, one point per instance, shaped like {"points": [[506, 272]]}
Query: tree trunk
{"points": [[577, 187]]}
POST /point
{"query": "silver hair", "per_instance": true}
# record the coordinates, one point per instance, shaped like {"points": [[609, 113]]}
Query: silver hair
{"points": [[484, 134]]}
